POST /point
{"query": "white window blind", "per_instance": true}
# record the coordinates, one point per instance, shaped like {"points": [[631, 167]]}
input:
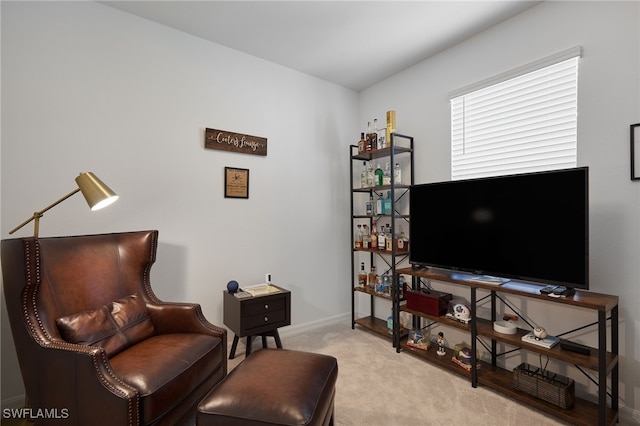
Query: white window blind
{"points": [[524, 124]]}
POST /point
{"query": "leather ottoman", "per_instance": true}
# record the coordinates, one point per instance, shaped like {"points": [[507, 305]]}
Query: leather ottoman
{"points": [[274, 387]]}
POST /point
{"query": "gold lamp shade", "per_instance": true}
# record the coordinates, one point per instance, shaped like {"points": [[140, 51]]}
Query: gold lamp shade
{"points": [[97, 194]]}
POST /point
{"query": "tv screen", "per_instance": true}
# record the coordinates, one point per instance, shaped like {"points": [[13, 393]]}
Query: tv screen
{"points": [[532, 227]]}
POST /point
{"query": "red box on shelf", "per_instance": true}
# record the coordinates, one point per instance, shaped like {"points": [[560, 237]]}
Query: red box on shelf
{"points": [[430, 302]]}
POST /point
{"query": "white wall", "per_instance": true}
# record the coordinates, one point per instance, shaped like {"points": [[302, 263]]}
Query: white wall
{"points": [[608, 103], [89, 88]]}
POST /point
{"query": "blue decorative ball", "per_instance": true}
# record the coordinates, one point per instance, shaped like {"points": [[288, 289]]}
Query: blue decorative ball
{"points": [[232, 286]]}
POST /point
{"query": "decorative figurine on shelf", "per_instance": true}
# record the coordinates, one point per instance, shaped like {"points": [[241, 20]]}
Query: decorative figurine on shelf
{"points": [[232, 286], [540, 333], [441, 344]]}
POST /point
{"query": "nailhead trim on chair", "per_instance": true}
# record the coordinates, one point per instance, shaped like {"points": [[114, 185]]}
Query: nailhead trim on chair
{"points": [[29, 299]]}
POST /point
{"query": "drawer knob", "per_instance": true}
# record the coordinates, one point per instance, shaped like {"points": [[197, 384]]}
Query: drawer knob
{"points": [[266, 319], [266, 306]]}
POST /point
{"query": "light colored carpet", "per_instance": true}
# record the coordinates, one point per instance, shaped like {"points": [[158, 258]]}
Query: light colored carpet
{"points": [[377, 386]]}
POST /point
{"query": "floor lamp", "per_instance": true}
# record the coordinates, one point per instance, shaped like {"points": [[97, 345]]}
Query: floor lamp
{"points": [[97, 194]]}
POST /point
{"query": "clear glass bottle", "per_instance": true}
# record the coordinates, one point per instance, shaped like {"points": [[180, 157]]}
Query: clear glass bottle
{"points": [[379, 176], [386, 284], [369, 206], [366, 237], [358, 237], [375, 132], [382, 241], [397, 175], [379, 207], [388, 246], [362, 276], [386, 174], [363, 175], [370, 175]]}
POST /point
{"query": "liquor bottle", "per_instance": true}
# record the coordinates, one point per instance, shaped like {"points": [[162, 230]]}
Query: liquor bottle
{"points": [[362, 145], [362, 276], [379, 176], [358, 237], [397, 175], [363, 175], [386, 174], [403, 242], [389, 239], [372, 278], [374, 237], [382, 242], [372, 139], [366, 238], [391, 125], [379, 207], [386, 204], [369, 207], [375, 132], [370, 175], [385, 284]]}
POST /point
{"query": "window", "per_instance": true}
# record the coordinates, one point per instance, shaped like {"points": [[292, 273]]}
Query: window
{"points": [[518, 122]]}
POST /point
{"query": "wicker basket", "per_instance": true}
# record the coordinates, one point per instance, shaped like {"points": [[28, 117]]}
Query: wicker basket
{"points": [[548, 386]]}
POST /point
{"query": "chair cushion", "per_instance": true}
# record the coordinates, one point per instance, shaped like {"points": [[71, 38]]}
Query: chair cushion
{"points": [[114, 327], [164, 367]]}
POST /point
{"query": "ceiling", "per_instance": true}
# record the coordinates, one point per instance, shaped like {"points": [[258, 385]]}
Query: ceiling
{"points": [[354, 44]]}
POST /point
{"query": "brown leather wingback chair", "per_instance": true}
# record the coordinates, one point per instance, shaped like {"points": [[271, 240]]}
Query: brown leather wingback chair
{"points": [[94, 343]]}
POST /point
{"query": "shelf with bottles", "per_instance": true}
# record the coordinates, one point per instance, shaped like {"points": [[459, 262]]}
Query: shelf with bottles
{"points": [[385, 241], [377, 285], [380, 179]]}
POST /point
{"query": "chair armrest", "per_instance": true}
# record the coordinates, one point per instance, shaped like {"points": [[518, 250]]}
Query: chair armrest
{"points": [[182, 318], [82, 384]]}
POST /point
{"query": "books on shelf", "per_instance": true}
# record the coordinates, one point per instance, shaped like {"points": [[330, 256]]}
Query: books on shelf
{"points": [[548, 342]]}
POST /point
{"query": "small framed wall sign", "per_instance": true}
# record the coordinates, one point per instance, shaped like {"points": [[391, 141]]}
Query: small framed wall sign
{"points": [[236, 183], [635, 151]]}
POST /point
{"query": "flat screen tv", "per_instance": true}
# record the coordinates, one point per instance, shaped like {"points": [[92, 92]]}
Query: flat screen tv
{"points": [[531, 227]]}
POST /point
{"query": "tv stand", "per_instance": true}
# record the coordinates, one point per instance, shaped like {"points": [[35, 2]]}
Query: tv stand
{"points": [[599, 360]]}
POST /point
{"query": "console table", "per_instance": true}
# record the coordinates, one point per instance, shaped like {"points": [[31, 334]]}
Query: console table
{"points": [[257, 316], [601, 360]]}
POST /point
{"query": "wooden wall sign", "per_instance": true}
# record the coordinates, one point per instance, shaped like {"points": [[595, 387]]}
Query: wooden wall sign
{"points": [[235, 142]]}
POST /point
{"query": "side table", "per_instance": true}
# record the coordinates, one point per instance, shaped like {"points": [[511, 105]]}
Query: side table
{"points": [[257, 316]]}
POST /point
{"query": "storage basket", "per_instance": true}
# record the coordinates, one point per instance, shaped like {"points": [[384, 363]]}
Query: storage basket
{"points": [[548, 386]]}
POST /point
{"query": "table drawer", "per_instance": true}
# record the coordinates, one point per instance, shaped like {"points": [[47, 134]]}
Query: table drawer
{"points": [[274, 319], [266, 305]]}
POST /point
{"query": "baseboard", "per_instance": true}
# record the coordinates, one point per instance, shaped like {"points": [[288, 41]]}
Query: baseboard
{"points": [[13, 402], [629, 416], [295, 330]]}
